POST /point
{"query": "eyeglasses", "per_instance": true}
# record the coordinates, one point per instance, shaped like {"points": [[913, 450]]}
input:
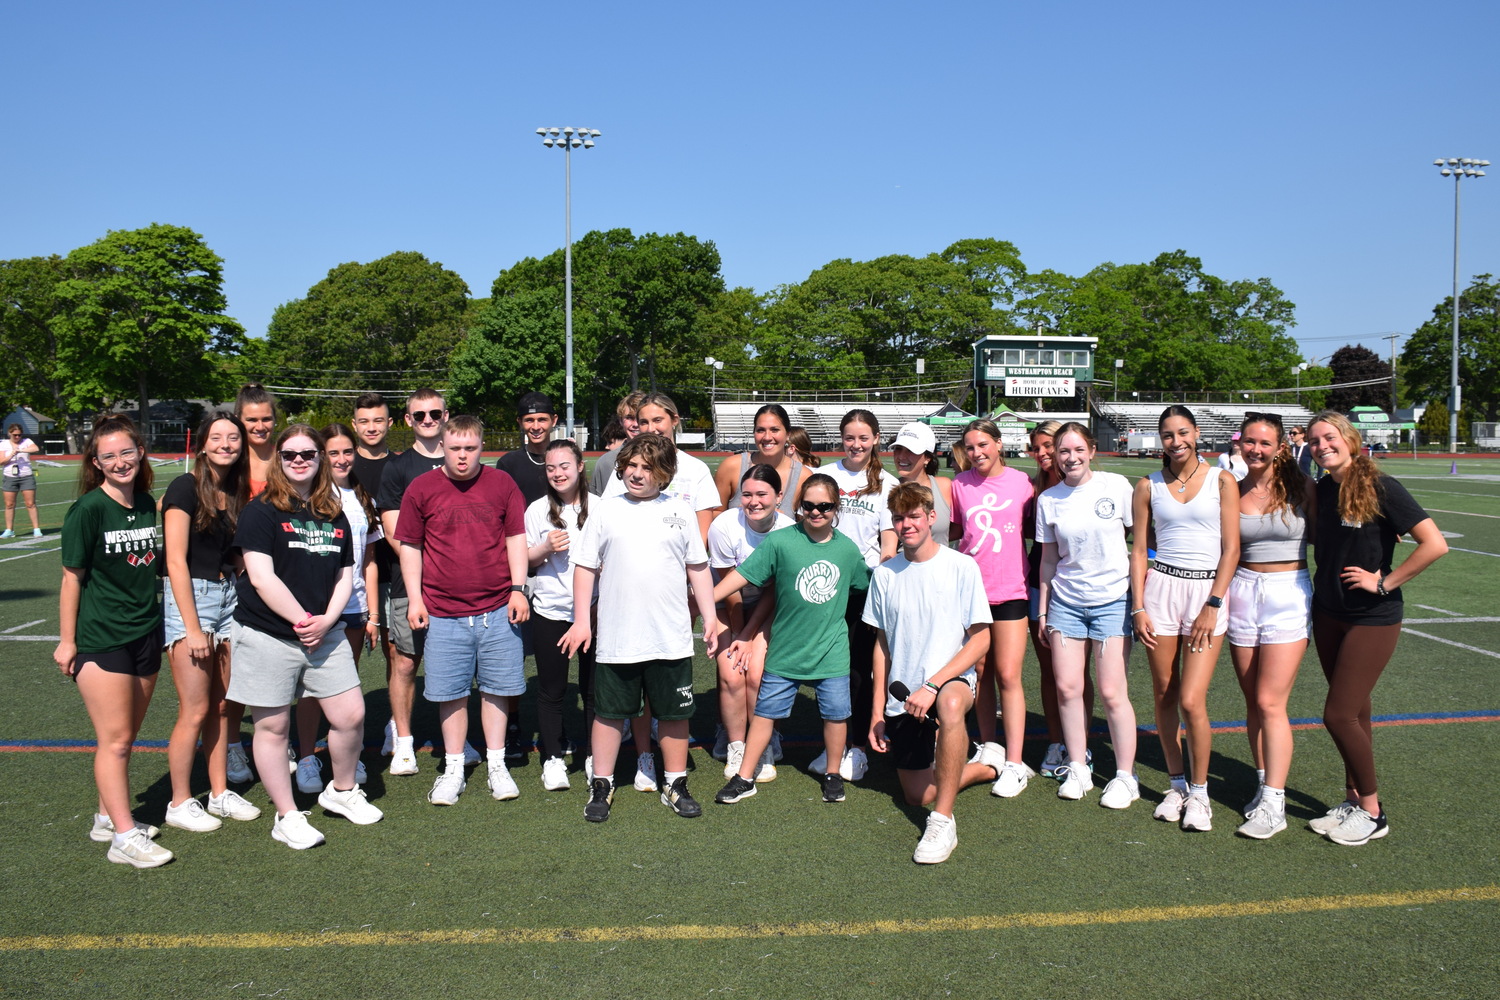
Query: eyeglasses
{"points": [[1274, 419], [299, 456], [128, 455], [808, 507], [421, 416]]}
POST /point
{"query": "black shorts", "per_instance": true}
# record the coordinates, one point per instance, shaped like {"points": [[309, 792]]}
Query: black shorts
{"points": [[138, 658], [913, 744], [1010, 611]]}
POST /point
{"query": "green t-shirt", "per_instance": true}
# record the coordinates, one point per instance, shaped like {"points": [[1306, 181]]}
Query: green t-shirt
{"points": [[115, 547], [809, 640]]}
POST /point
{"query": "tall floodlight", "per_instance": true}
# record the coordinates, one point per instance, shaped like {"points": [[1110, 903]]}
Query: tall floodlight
{"points": [[1458, 169], [567, 140], [1302, 366]]}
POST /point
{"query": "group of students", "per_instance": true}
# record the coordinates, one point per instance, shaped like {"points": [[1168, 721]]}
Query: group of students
{"points": [[903, 601]]}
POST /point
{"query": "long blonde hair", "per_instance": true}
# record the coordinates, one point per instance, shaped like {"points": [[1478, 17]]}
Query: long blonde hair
{"points": [[1360, 492]]}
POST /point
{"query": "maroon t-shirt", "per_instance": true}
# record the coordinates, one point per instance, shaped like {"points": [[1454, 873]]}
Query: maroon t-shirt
{"points": [[462, 526]]}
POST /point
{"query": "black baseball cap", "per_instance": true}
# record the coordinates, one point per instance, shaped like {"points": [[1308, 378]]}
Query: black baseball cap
{"points": [[536, 402]]}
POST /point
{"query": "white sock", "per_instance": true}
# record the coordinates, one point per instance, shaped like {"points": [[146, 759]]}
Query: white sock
{"points": [[493, 756], [120, 838], [672, 776], [1260, 776], [455, 761], [1198, 789], [1179, 782], [403, 741], [1269, 794]]}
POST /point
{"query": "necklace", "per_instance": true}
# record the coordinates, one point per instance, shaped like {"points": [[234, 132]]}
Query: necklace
{"points": [[1184, 482], [537, 462]]}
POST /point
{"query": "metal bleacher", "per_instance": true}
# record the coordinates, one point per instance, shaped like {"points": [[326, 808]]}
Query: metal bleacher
{"points": [[1216, 421], [734, 423]]}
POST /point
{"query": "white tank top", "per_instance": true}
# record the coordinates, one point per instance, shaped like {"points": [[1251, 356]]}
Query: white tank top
{"points": [[1187, 534]]}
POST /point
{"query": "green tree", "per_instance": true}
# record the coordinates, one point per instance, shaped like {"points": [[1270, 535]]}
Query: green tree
{"points": [[1433, 427], [387, 325], [142, 311], [1426, 361], [34, 375], [1352, 363]]}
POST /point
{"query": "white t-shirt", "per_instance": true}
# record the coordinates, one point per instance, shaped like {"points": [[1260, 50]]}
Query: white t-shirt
{"points": [[731, 540], [363, 533], [552, 581], [925, 609], [642, 549], [1088, 524], [693, 484], [1235, 465], [17, 462], [859, 515]]}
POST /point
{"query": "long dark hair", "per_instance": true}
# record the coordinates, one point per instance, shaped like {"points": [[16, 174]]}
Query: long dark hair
{"points": [[555, 501], [873, 468], [91, 477], [213, 483], [765, 474], [366, 504], [1175, 410]]}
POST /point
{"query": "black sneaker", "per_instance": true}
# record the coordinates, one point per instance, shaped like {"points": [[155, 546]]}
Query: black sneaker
{"points": [[601, 794], [676, 795], [737, 788], [833, 787], [515, 748]]}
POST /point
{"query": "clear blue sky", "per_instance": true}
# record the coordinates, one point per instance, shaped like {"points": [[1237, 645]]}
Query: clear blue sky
{"points": [[1287, 140]]}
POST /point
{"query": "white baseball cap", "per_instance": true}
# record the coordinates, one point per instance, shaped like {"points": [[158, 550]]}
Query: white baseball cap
{"points": [[916, 438]]}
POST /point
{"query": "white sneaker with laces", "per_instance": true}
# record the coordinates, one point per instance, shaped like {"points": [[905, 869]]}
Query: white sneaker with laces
{"points": [[1359, 827], [938, 840], [388, 746], [1077, 780], [471, 756], [1331, 819], [1170, 807], [854, 765], [991, 755], [1120, 792], [189, 815], [351, 804], [819, 764], [1254, 803], [767, 770], [645, 773], [734, 756], [1013, 779], [555, 775], [103, 830], [447, 788], [138, 850], [293, 830], [1197, 814], [502, 785], [404, 757], [239, 765], [1265, 822], [1056, 758], [231, 805], [310, 775]]}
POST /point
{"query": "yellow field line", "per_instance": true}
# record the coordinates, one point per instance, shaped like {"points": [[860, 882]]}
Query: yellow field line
{"points": [[710, 932]]}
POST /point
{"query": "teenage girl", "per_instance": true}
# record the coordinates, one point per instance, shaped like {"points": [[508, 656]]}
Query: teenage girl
{"points": [[863, 485], [772, 427], [552, 524], [731, 538], [1085, 594], [199, 512], [256, 410], [991, 505], [1270, 599], [1357, 606], [1188, 512], [110, 623], [914, 454]]}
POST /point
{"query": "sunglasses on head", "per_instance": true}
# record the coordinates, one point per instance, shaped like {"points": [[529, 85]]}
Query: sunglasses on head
{"points": [[417, 416], [808, 507], [1274, 419], [304, 456]]}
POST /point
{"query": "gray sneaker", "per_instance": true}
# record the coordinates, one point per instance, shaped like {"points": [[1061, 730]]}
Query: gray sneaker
{"points": [[1197, 814], [1359, 827], [1331, 819], [1265, 822], [239, 765]]}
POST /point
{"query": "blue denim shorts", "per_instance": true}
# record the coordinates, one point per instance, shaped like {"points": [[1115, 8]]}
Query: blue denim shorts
{"points": [[215, 601], [777, 694], [1103, 621], [486, 646]]}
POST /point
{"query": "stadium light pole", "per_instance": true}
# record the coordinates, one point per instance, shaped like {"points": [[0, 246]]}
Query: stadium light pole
{"points": [[1119, 367], [1457, 168], [568, 139], [1301, 367]]}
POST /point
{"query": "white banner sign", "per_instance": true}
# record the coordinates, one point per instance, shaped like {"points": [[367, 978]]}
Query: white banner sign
{"points": [[1039, 387]]}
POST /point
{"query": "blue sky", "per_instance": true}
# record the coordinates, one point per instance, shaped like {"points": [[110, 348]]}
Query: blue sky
{"points": [[1287, 140]]}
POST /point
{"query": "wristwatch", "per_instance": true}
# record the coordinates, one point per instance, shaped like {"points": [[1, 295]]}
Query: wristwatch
{"points": [[525, 590], [1214, 602]]}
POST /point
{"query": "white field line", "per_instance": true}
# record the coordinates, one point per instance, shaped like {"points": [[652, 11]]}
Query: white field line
{"points": [[17, 628], [35, 552], [30, 638], [1465, 513], [1449, 621], [1450, 642], [1441, 611], [1451, 548]]}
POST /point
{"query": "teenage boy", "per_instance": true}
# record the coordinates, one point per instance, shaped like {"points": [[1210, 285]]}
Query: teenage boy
{"points": [[527, 465], [425, 413], [604, 469], [462, 535], [932, 622], [643, 548], [372, 422]]}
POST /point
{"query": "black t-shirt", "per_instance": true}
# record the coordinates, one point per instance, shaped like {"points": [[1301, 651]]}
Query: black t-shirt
{"points": [[208, 555], [1368, 546], [307, 552], [528, 470], [399, 472], [368, 471]]}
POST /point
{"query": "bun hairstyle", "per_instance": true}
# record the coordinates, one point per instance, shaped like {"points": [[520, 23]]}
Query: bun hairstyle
{"points": [[555, 502], [1360, 492], [873, 468], [253, 394], [1175, 410]]}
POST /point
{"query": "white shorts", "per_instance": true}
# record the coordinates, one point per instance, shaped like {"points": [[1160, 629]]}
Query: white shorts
{"points": [[1173, 603], [1269, 608]]}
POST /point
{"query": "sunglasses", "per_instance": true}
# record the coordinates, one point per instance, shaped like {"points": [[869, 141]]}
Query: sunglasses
{"points": [[309, 455], [808, 507], [418, 416], [1274, 419]]}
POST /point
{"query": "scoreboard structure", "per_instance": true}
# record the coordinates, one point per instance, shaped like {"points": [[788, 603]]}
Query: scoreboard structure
{"points": [[1034, 365]]}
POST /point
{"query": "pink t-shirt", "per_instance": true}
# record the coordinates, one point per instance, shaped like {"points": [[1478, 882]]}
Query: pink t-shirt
{"points": [[992, 512], [462, 527]]}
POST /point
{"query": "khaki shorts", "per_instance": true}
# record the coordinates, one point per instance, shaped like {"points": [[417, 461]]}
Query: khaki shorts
{"points": [[271, 673]]}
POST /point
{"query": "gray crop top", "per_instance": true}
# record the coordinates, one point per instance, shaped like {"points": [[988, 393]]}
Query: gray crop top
{"points": [[1280, 536]]}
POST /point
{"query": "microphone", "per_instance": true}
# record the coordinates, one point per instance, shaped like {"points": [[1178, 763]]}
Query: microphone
{"points": [[900, 691]]}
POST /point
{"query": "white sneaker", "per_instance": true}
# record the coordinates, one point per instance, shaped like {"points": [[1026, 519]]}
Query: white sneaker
{"points": [[295, 831], [992, 754], [645, 773], [938, 840], [555, 775], [1331, 819], [1197, 814], [139, 850], [767, 770], [1013, 779], [103, 831], [190, 816], [404, 757], [776, 753], [1170, 809], [310, 775], [1254, 803], [854, 765], [352, 805], [1056, 758], [239, 765], [471, 756], [1359, 827], [819, 764], [1265, 822], [721, 744], [734, 756], [1120, 792], [231, 805], [1078, 779], [389, 745], [502, 785], [447, 788]]}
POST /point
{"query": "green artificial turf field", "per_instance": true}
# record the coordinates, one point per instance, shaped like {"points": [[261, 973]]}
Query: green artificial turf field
{"points": [[782, 895]]}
